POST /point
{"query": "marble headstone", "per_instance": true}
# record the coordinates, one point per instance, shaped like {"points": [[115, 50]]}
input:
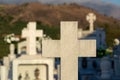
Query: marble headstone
{"points": [[69, 48]]}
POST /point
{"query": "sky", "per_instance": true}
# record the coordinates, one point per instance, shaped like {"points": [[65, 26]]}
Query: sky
{"points": [[116, 2]]}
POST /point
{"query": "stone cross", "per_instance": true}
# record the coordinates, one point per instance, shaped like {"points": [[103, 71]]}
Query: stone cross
{"points": [[91, 18], [30, 33], [69, 48]]}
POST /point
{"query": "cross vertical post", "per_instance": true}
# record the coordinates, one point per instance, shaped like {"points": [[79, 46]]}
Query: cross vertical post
{"points": [[30, 33], [69, 48]]}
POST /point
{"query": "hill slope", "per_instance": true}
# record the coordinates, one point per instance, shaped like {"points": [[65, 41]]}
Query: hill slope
{"points": [[103, 7], [14, 17]]}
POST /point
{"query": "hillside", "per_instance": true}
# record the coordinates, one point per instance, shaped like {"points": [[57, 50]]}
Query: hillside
{"points": [[104, 8], [14, 17]]}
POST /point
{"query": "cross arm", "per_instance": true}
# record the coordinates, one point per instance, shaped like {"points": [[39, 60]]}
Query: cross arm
{"points": [[51, 48], [87, 48], [24, 32], [39, 33]]}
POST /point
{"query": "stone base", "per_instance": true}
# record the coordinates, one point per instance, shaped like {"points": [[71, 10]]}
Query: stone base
{"points": [[11, 57], [26, 64]]}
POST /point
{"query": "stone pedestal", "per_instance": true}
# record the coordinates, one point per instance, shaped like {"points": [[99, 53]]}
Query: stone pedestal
{"points": [[6, 62], [105, 69], [27, 64], [12, 55], [3, 71]]}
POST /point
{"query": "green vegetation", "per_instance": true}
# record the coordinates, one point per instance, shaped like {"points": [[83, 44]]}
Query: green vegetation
{"points": [[53, 32], [7, 28], [102, 52], [13, 19], [112, 32]]}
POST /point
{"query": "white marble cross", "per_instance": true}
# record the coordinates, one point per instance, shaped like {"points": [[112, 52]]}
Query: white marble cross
{"points": [[30, 33], [69, 48], [91, 18]]}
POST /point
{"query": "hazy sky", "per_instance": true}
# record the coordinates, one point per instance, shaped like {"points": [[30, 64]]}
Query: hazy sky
{"points": [[116, 2]]}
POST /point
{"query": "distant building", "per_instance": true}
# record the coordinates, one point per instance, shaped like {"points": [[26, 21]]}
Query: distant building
{"points": [[98, 34]]}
